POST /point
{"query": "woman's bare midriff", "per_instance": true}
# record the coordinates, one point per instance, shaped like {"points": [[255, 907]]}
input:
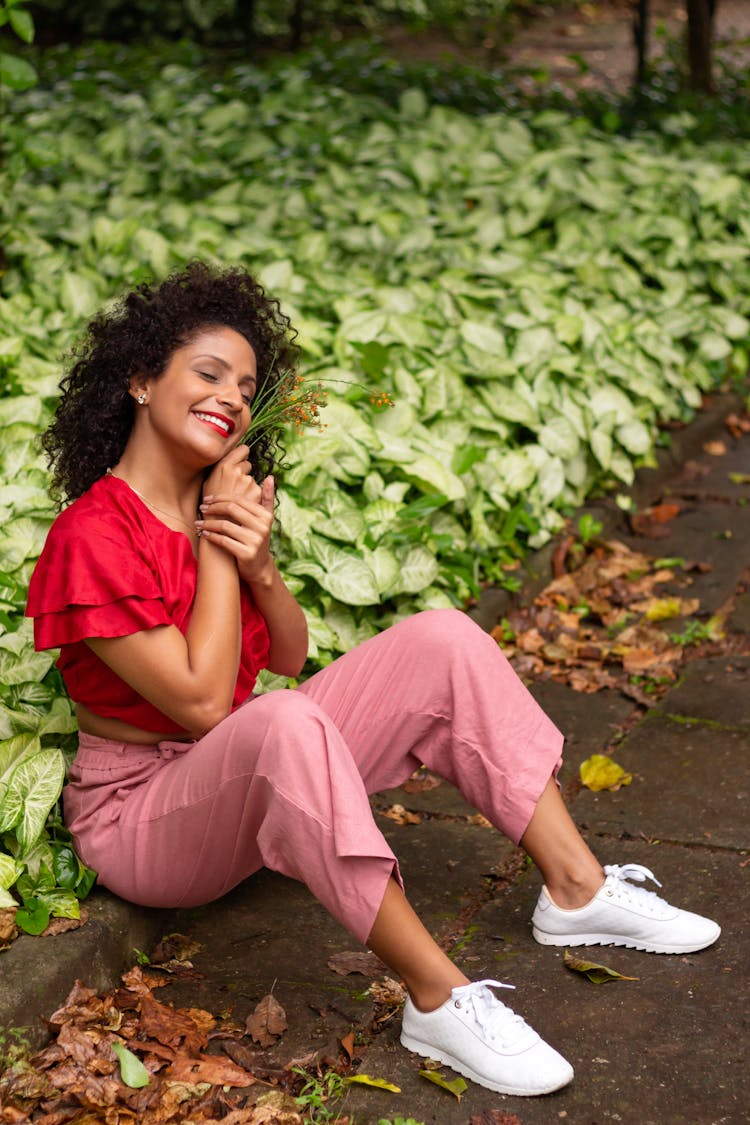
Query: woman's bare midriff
{"points": [[90, 723]]}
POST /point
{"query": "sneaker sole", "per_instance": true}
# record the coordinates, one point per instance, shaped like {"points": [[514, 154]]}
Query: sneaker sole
{"points": [[614, 939], [446, 1059]]}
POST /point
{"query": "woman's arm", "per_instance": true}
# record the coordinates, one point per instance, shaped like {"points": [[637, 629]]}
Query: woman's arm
{"points": [[242, 527], [191, 678]]}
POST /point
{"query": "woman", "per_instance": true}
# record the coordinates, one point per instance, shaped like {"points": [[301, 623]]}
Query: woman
{"points": [[158, 585]]}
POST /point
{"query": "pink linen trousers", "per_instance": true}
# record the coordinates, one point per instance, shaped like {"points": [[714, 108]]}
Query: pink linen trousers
{"points": [[283, 781]]}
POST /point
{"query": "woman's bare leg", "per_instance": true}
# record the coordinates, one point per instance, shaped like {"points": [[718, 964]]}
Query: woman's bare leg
{"points": [[571, 872], [402, 942]]}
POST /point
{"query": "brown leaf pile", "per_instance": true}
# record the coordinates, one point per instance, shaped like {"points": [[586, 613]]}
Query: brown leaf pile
{"points": [[76, 1078], [602, 623]]}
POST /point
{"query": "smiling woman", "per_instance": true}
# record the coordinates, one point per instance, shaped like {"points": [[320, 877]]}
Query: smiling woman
{"points": [[137, 339], [158, 585]]}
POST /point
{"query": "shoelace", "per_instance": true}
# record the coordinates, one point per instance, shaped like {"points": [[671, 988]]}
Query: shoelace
{"points": [[639, 874], [497, 1021]]}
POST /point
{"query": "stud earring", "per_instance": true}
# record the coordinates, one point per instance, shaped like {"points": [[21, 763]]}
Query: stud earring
{"points": [[141, 399]]}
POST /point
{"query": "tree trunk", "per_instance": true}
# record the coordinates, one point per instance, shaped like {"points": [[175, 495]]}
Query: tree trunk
{"points": [[297, 24], [640, 37], [248, 11], [700, 15]]}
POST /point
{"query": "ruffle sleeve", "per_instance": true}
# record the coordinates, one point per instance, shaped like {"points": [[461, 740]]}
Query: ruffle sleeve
{"points": [[91, 582]]}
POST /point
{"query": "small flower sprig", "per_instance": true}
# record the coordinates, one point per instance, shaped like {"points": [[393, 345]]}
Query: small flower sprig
{"points": [[293, 402], [289, 401]]}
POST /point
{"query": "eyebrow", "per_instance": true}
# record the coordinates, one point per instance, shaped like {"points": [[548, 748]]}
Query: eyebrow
{"points": [[227, 366]]}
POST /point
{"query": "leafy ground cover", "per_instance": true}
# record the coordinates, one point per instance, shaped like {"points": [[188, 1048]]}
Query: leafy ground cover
{"points": [[534, 295], [125, 1055]]}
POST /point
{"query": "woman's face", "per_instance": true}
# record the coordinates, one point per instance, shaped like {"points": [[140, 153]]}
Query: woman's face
{"points": [[201, 402]]}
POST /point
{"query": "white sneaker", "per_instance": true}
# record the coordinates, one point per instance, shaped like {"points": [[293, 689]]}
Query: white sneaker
{"points": [[622, 914], [482, 1039]]}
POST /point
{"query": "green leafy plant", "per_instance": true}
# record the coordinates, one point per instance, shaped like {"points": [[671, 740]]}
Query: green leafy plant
{"points": [[15, 1049], [399, 1121], [589, 528], [319, 1094], [694, 633], [15, 72]]}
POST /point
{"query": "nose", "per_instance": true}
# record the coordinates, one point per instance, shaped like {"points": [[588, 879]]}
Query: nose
{"points": [[230, 395]]}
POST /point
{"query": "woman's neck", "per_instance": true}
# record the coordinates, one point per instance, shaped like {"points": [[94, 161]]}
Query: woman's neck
{"points": [[164, 486]]}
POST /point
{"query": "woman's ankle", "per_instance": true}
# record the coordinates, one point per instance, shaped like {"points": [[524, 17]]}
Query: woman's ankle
{"points": [[571, 892]]}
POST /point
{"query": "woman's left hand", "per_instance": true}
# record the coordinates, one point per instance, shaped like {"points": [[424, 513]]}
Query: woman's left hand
{"points": [[242, 526]]}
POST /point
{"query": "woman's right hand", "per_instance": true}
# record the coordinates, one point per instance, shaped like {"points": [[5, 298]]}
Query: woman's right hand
{"points": [[230, 478]]}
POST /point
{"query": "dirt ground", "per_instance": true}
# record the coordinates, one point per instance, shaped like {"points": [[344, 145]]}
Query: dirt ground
{"points": [[581, 45]]}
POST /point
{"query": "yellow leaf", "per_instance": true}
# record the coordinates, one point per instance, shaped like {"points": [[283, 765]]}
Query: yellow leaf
{"points": [[600, 772], [599, 974], [661, 609], [456, 1087], [368, 1080]]}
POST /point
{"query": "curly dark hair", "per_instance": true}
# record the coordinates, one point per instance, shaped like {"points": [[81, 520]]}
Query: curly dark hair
{"points": [[139, 335]]}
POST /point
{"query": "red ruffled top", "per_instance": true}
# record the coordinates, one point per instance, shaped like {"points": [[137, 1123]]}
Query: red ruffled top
{"points": [[110, 568]]}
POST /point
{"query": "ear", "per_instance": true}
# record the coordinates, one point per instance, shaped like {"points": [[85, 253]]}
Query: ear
{"points": [[138, 389]]}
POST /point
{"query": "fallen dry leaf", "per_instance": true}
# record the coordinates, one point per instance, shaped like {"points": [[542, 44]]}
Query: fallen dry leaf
{"points": [[389, 992], [8, 928], [455, 1086], [599, 772], [366, 963], [588, 679], [638, 660], [19, 1083], [170, 1026], [237, 1051], [273, 1108], [174, 947], [401, 815], [82, 1005], [140, 982], [422, 783], [715, 448], [203, 1020], [737, 425], [62, 925], [369, 1080], [662, 609], [650, 523], [348, 1044], [214, 1069], [598, 974], [267, 1022]]}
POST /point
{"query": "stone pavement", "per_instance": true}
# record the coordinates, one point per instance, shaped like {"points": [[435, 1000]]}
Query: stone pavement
{"points": [[667, 1049]]}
